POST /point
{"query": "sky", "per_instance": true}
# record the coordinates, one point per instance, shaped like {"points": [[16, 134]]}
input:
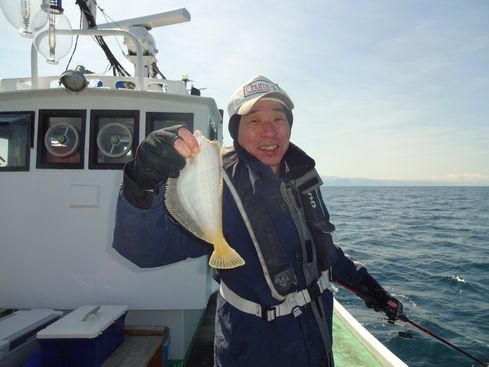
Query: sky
{"points": [[383, 89]]}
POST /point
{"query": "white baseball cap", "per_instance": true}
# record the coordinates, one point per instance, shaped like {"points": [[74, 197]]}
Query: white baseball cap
{"points": [[257, 88]]}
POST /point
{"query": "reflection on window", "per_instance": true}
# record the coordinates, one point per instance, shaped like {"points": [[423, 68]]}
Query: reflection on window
{"points": [[160, 120], [113, 138], [60, 142], [15, 140]]}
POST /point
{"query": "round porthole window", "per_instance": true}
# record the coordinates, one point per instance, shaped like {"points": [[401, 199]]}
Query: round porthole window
{"points": [[114, 140], [61, 140]]}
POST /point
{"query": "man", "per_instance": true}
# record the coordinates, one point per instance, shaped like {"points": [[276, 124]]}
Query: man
{"points": [[276, 310]]}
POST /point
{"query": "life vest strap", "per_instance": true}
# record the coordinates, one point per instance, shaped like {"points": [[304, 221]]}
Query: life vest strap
{"points": [[292, 303]]}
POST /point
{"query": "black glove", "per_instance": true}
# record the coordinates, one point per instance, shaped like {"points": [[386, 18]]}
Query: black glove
{"points": [[156, 160], [379, 299]]}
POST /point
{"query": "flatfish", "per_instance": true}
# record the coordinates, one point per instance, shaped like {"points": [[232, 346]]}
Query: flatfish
{"points": [[194, 199]]}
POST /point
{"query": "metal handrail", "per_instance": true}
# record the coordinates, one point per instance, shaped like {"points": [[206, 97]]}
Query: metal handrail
{"points": [[139, 67]]}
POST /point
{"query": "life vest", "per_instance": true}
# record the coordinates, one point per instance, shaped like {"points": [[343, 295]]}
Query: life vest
{"points": [[299, 195], [299, 192]]}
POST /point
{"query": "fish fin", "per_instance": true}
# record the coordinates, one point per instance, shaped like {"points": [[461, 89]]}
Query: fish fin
{"points": [[175, 208], [231, 259], [216, 145]]}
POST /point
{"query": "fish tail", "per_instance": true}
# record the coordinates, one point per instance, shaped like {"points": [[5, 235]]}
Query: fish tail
{"points": [[230, 261], [225, 257]]}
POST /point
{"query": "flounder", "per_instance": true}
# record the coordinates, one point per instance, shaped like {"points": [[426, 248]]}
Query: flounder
{"points": [[194, 199]]}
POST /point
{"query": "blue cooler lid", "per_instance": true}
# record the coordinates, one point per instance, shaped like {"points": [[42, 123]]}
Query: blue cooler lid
{"points": [[85, 322], [19, 324]]}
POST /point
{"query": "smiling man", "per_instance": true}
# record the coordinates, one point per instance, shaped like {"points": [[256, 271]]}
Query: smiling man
{"points": [[260, 112], [276, 310], [264, 132]]}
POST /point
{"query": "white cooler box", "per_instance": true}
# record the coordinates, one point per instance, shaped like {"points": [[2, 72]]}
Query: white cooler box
{"points": [[84, 337], [18, 334]]}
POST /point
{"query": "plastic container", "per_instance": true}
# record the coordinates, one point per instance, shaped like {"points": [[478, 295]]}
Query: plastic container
{"points": [[18, 334], [84, 337]]}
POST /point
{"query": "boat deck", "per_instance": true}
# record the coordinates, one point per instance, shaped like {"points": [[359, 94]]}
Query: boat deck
{"points": [[349, 347]]}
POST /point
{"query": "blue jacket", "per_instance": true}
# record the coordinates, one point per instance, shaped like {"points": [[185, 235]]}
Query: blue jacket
{"points": [[150, 238]]}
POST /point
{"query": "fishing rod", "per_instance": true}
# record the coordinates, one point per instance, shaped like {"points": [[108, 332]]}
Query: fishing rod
{"points": [[404, 318]]}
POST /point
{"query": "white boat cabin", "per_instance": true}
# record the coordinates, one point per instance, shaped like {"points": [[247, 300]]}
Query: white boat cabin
{"points": [[61, 159]]}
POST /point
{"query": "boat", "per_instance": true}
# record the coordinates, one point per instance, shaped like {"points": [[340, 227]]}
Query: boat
{"points": [[354, 345], [64, 140]]}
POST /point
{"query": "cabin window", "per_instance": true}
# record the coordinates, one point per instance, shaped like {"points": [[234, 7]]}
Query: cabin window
{"points": [[160, 120], [16, 129], [113, 138], [61, 139]]}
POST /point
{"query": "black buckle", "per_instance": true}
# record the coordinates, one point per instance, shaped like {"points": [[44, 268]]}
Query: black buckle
{"points": [[314, 291], [264, 313]]}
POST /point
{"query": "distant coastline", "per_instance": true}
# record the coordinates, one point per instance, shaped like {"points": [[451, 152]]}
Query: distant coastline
{"points": [[361, 181]]}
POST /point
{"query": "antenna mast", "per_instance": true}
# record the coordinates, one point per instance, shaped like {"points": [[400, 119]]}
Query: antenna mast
{"points": [[92, 6]]}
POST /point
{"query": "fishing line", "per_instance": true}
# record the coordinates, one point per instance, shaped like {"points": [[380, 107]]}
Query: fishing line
{"points": [[404, 318]]}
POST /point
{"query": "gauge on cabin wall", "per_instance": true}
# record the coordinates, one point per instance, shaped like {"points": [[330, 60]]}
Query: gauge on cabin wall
{"points": [[60, 142], [113, 138]]}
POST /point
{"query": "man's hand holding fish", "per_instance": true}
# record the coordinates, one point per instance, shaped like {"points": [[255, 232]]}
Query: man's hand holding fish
{"points": [[186, 144], [161, 155]]}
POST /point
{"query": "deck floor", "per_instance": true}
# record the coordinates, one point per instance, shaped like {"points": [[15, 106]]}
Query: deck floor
{"points": [[202, 352]]}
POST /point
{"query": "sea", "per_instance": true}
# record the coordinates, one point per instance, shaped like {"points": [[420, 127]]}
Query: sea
{"points": [[429, 247]]}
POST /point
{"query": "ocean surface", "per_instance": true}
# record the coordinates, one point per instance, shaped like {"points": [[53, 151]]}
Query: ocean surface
{"points": [[429, 247]]}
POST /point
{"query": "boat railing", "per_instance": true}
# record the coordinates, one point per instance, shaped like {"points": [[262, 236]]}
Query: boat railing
{"points": [[139, 66], [138, 82], [96, 81]]}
